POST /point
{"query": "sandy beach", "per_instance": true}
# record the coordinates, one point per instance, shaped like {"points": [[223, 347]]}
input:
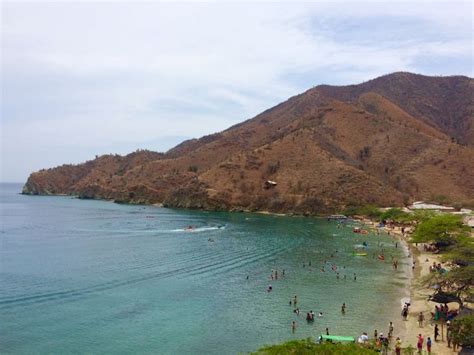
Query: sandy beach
{"points": [[419, 295], [419, 299], [420, 303]]}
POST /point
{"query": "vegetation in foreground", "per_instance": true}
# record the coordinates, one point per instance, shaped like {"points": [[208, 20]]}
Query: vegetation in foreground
{"points": [[453, 240], [307, 346], [447, 233]]}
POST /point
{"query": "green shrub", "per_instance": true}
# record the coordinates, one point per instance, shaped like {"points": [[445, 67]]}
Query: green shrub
{"points": [[306, 347]]}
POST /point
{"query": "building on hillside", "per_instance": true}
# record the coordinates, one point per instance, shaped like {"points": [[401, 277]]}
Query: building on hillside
{"points": [[269, 184], [420, 205]]}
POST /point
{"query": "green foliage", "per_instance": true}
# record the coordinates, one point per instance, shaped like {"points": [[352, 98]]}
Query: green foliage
{"points": [[442, 228], [396, 214], [422, 215], [306, 347], [367, 210], [409, 350], [462, 330], [463, 254], [459, 251]]}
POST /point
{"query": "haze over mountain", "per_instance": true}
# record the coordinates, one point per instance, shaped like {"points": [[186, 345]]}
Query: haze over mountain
{"points": [[395, 139]]}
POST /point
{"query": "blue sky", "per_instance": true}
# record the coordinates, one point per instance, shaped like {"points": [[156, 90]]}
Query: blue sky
{"points": [[86, 78]]}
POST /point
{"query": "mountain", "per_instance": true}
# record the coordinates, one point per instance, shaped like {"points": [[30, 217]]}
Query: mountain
{"points": [[397, 138]]}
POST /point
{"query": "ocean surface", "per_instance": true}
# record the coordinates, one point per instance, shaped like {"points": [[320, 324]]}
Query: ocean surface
{"points": [[84, 276]]}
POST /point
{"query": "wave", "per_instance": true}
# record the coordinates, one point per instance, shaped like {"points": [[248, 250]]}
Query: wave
{"points": [[196, 230]]}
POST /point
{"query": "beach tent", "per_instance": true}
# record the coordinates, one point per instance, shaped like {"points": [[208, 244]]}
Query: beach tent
{"points": [[336, 338], [443, 297]]}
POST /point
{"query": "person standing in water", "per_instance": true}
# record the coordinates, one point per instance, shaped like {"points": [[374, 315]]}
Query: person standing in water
{"points": [[295, 300], [293, 326], [355, 277], [405, 312], [343, 308]]}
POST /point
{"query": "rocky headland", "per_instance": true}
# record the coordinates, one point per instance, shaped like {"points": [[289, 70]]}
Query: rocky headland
{"points": [[389, 141]]}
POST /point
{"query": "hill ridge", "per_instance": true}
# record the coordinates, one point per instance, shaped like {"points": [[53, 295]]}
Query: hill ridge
{"points": [[387, 141]]}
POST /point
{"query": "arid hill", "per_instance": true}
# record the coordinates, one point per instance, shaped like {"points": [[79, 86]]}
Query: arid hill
{"points": [[389, 141]]}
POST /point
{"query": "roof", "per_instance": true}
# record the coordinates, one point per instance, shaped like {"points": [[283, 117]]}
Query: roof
{"points": [[420, 205]]}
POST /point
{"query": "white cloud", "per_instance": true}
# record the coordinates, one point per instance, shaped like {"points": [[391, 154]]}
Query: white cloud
{"points": [[107, 74]]}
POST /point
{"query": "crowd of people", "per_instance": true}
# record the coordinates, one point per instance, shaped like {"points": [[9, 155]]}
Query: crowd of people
{"points": [[436, 267], [443, 312], [380, 341]]}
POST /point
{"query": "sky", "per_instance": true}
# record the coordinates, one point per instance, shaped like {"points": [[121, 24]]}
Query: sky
{"points": [[80, 79]]}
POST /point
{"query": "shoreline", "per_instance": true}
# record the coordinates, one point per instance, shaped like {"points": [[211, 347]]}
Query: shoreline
{"points": [[406, 330], [420, 303], [418, 295]]}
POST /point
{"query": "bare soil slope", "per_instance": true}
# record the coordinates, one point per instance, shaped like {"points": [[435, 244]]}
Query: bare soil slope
{"points": [[394, 139]]}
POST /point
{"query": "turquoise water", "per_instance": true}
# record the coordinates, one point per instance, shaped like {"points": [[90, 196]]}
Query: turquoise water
{"points": [[82, 276]]}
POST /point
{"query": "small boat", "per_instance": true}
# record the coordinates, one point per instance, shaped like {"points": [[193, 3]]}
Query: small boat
{"points": [[189, 228], [356, 230], [381, 257], [359, 254], [363, 231]]}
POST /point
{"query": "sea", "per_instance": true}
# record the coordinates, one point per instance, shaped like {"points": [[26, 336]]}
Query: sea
{"points": [[87, 276]]}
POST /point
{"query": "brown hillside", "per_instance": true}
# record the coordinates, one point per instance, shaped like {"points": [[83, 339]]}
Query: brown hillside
{"points": [[327, 148], [447, 103]]}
